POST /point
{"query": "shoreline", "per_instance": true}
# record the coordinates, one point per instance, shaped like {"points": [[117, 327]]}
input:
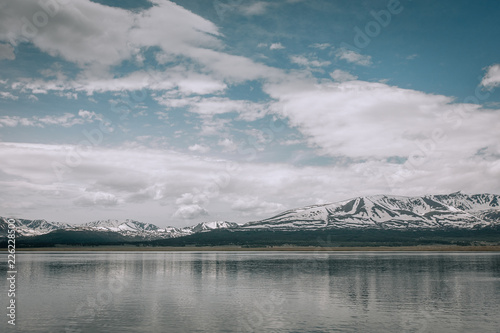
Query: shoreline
{"points": [[426, 248]]}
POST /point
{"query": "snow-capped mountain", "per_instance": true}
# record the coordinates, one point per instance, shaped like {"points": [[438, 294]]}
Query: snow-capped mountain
{"points": [[126, 228], [456, 210], [148, 230], [476, 202], [33, 227], [115, 225], [208, 226]]}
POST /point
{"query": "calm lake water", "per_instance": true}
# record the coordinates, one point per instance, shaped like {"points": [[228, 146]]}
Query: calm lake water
{"points": [[254, 292]]}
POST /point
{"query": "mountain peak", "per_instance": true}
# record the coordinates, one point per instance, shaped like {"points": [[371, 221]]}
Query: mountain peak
{"points": [[207, 226]]}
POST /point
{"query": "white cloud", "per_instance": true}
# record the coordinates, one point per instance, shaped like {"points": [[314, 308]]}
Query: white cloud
{"points": [[96, 199], [6, 52], [303, 61], [492, 77], [190, 199], [178, 79], [64, 120], [162, 115], [364, 123], [354, 57], [276, 46], [68, 94], [321, 46], [291, 142], [210, 106], [89, 115], [212, 126], [256, 8], [122, 35], [199, 148], [154, 185], [341, 76], [361, 119], [8, 95], [233, 68], [190, 212], [228, 144], [77, 27], [73, 31], [253, 206]]}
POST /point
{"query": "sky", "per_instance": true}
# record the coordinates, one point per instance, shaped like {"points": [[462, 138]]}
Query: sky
{"points": [[179, 112]]}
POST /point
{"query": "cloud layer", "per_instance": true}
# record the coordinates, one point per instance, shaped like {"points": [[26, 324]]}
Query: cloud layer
{"points": [[203, 144], [178, 188]]}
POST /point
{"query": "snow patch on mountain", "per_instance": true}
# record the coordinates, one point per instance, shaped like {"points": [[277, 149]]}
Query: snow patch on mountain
{"points": [[33, 227], [456, 210], [128, 227]]}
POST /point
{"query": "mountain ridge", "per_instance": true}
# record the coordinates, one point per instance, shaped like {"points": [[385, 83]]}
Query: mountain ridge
{"points": [[431, 212], [128, 227], [393, 212]]}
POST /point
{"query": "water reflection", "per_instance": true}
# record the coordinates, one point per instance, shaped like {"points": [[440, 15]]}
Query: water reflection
{"points": [[257, 292]]}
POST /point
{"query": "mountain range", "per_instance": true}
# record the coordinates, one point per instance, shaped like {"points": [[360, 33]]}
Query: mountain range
{"points": [[129, 228], [456, 211]]}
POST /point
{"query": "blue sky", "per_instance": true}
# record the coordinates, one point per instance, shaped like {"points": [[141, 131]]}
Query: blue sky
{"points": [[180, 112]]}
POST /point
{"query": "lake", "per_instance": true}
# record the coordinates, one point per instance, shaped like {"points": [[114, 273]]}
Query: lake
{"points": [[254, 292]]}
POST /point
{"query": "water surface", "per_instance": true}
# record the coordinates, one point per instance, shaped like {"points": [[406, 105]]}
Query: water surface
{"points": [[255, 292]]}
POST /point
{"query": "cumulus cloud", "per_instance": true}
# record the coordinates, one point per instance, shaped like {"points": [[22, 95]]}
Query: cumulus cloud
{"points": [[190, 212], [276, 46], [8, 95], [492, 77], [199, 148], [341, 76], [192, 199], [227, 144], [354, 57]]}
